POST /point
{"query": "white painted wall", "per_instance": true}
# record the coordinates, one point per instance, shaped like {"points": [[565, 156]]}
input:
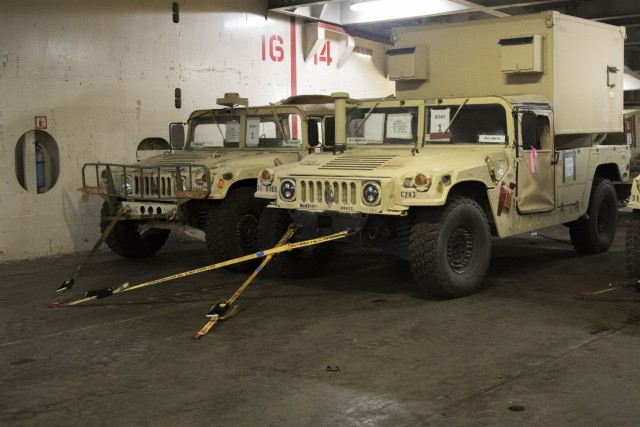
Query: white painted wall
{"points": [[104, 74]]}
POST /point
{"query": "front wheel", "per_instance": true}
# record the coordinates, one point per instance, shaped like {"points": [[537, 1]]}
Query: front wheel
{"points": [[595, 234], [232, 228], [295, 264], [450, 248], [126, 240]]}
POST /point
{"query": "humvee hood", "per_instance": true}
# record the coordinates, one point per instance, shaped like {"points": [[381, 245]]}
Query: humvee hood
{"points": [[208, 158], [387, 164]]}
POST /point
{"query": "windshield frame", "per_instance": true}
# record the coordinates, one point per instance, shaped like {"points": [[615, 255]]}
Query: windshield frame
{"points": [[389, 108]]}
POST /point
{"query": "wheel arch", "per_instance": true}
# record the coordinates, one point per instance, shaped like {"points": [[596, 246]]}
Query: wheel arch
{"points": [[609, 171], [476, 190], [246, 182]]}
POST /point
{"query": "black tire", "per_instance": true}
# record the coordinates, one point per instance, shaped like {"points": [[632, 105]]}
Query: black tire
{"points": [[632, 246], [595, 234], [450, 248], [125, 239], [296, 264], [231, 229]]}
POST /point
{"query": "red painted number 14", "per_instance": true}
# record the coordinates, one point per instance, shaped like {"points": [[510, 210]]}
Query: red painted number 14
{"points": [[324, 56]]}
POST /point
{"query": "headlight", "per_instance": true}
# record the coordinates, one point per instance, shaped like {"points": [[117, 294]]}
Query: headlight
{"points": [[126, 184], [202, 180], [266, 177], [288, 190], [371, 193]]}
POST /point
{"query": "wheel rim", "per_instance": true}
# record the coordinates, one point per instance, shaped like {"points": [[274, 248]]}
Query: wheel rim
{"points": [[459, 249], [602, 220], [247, 231]]}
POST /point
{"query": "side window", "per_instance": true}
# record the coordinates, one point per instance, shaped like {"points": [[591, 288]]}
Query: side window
{"points": [[536, 131], [544, 133]]}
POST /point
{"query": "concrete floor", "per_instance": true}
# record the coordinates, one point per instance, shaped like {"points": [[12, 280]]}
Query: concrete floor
{"points": [[355, 346]]}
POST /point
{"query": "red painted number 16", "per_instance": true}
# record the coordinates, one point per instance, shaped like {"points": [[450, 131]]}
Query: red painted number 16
{"points": [[276, 51]]}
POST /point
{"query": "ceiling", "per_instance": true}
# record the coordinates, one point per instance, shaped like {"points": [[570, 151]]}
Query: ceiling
{"points": [[339, 12]]}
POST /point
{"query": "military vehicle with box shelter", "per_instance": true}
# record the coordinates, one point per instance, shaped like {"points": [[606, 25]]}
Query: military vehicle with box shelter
{"points": [[496, 128], [205, 187]]}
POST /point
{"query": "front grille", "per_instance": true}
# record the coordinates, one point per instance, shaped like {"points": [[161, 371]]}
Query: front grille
{"points": [[147, 182], [332, 193], [152, 186]]}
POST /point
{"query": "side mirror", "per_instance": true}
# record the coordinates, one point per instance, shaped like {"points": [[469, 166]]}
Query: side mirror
{"points": [[329, 133], [313, 133], [529, 131], [176, 135]]}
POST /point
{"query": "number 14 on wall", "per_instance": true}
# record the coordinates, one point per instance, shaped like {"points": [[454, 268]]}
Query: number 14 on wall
{"points": [[324, 55]]}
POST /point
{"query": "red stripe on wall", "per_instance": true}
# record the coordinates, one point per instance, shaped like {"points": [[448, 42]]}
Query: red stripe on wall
{"points": [[294, 72], [294, 63]]}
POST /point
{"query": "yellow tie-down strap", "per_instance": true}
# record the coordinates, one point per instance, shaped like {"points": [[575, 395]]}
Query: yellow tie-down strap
{"points": [[68, 284], [220, 310], [126, 287]]}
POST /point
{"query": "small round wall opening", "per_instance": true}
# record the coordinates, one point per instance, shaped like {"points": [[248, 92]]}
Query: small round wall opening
{"points": [[37, 161]]}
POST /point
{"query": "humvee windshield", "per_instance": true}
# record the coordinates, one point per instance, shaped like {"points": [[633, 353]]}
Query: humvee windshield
{"points": [[215, 131], [475, 124], [393, 125], [223, 131]]}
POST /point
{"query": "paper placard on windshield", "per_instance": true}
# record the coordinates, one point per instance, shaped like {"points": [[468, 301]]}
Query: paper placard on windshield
{"points": [[491, 139], [253, 131], [439, 120], [232, 132], [399, 126], [373, 128]]}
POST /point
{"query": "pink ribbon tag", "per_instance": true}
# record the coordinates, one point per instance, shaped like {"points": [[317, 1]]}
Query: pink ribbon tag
{"points": [[532, 155]]}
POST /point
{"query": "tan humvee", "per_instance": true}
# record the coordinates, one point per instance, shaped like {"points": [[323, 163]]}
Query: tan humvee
{"points": [[205, 187], [433, 179]]}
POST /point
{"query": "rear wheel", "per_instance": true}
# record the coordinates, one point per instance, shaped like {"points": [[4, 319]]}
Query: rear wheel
{"points": [[295, 264], [126, 240], [595, 234], [232, 227], [450, 248]]}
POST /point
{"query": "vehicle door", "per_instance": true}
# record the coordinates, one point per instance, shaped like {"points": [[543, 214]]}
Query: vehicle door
{"points": [[535, 189]]}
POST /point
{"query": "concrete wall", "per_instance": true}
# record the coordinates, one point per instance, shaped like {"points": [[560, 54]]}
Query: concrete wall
{"points": [[104, 74]]}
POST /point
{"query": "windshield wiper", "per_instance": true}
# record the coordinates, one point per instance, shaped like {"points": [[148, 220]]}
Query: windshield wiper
{"points": [[366, 116], [455, 116], [218, 125], [284, 135]]}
